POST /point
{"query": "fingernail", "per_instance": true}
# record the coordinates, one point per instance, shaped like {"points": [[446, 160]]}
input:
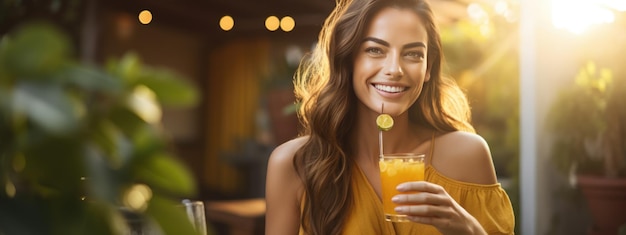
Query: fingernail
{"points": [[399, 209], [400, 187], [395, 199]]}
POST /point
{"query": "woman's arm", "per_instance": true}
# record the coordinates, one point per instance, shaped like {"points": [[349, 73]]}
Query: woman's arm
{"points": [[283, 191]]}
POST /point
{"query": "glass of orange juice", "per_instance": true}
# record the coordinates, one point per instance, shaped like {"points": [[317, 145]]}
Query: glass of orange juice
{"points": [[395, 169]]}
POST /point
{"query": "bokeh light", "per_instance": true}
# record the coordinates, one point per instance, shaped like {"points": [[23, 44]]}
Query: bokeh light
{"points": [[272, 23], [144, 102], [287, 23], [145, 17], [9, 189], [137, 197], [227, 23]]}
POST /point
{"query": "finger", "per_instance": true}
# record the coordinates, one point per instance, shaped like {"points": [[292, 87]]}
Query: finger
{"points": [[425, 211], [434, 221], [420, 186], [422, 198]]}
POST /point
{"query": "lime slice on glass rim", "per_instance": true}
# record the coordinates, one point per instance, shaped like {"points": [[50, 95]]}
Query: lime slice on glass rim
{"points": [[384, 122]]}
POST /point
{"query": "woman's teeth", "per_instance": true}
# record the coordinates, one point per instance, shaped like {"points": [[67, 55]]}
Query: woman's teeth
{"points": [[390, 89]]}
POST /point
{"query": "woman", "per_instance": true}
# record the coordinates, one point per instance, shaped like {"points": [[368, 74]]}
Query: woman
{"points": [[373, 53]]}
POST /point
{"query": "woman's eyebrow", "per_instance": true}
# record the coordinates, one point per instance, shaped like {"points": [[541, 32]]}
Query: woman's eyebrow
{"points": [[376, 40], [385, 43], [414, 44]]}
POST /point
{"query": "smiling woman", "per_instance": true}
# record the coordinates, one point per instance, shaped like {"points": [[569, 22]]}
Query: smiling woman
{"points": [[373, 53]]}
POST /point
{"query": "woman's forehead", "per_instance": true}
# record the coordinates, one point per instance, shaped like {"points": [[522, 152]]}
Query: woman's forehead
{"points": [[397, 25]]}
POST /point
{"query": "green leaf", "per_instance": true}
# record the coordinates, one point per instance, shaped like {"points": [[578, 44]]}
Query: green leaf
{"points": [[127, 120], [116, 148], [100, 181], [46, 105], [91, 79], [38, 50], [170, 88], [128, 68], [146, 141], [171, 216], [103, 219], [164, 172]]}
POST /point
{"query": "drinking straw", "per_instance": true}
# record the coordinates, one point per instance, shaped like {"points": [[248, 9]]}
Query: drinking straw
{"points": [[380, 134]]}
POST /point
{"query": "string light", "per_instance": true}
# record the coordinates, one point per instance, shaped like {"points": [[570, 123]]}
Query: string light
{"points": [[145, 17], [227, 23], [272, 23], [287, 23]]}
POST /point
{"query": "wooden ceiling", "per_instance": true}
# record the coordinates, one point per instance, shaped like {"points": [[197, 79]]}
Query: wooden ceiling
{"points": [[249, 15]]}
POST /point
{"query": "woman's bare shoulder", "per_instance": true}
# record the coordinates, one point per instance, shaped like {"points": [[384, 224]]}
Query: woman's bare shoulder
{"points": [[281, 170], [285, 152], [284, 189], [463, 140], [464, 156]]}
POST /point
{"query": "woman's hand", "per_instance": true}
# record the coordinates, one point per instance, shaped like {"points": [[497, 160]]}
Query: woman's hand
{"points": [[429, 203]]}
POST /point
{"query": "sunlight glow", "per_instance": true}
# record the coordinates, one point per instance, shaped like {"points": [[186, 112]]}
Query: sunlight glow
{"points": [[480, 17], [503, 8], [579, 15], [619, 5], [477, 13]]}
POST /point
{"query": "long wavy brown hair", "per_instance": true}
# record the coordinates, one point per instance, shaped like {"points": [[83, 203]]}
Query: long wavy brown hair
{"points": [[323, 86]]}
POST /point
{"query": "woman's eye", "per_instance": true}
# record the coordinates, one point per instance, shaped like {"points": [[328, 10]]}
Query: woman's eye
{"points": [[415, 55], [373, 50]]}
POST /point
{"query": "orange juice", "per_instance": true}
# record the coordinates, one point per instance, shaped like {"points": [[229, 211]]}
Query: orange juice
{"points": [[396, 169]]}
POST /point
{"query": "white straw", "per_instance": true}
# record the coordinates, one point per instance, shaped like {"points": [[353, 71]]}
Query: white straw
{"points": [[380, 142], [380, 134]]}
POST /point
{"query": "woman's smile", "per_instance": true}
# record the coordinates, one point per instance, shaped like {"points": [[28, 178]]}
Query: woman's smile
{"points": [[390, 89]]}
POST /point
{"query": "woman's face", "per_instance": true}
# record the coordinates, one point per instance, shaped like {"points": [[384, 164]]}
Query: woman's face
{"points": [[390, 64]]}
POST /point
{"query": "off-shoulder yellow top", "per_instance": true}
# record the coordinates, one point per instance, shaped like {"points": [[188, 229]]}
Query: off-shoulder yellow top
{"points": [[489, 204]]}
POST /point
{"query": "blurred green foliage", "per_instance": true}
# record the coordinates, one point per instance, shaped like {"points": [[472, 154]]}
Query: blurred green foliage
{"points": [[80, 144], [587, 123]]}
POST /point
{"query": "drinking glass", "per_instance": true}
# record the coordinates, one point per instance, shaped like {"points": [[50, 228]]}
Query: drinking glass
{"points": [[195, 212], [395, 169]]}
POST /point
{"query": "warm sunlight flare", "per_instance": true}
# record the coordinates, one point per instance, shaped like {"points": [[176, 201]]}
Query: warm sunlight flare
{"points": [[619, 5], [577, 16]]}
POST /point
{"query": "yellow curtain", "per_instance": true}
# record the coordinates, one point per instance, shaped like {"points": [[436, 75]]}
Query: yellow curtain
{"points": [[235, 74]]}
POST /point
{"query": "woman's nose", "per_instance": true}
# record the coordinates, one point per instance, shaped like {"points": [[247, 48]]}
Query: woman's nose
{"points": [[393, 68]]}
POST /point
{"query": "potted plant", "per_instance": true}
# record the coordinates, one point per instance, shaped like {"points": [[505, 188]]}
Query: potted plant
{"points": [[81, 148], [588, 124]]}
